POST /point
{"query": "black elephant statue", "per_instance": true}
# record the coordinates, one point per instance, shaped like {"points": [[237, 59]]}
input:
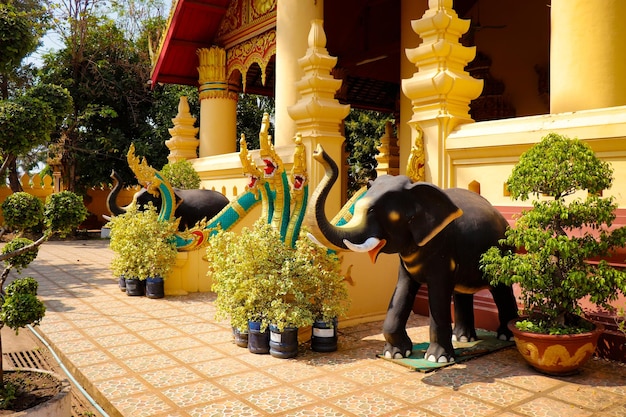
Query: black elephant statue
{"points": [[439, 236], [191, 205]]}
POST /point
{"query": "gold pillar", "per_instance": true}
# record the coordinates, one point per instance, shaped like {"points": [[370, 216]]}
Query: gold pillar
{"points": [[293, 21], [587, 59], [317, 115], [218, 104], [441, 90], [183, 144]]}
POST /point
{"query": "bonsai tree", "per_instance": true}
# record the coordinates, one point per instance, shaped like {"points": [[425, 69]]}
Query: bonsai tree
{"points": [[144, 245], [257, 277], [61, 214], [553, 243]]}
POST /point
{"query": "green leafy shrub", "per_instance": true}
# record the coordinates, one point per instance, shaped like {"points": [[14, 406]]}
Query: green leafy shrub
{"points": [[22, 211], [181, 174], [21, 306], [144, 246], [20, 261], [257, 277], [63, 211], [552, 243]]}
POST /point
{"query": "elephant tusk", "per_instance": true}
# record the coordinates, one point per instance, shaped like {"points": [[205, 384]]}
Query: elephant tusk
{"points": [[372, 245], [366, 246]]}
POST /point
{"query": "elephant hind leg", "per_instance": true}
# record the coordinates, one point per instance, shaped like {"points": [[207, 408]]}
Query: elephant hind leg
{"points": [[507, 309], [464, 330]]}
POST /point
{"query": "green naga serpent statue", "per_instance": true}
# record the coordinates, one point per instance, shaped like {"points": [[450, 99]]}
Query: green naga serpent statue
{"points": [[283, 201]]}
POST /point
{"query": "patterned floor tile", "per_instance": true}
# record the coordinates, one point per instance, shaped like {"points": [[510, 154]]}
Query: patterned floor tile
{"points": [[116, 340], [291, 371], [141, 405], [194, 394], [219, 367], [456, 405], [169, 377], [589, 397], [215, 337], [73, 346], [90, 358], [328, 386], [453, 377], [412, 391], [103, 371], [530, 380], [160, 333], [547, 407], [279, 399], [316, 410], [247, 382], [413, 412], [142, 364], [107, 330], [369, 374], [499, 394], [368, 403], [197, 354], [121, 387], [133, 350], [177, 343], [229, 407]]}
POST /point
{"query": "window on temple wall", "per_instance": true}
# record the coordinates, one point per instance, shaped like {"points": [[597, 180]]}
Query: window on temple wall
{"points": [[363, 130]]}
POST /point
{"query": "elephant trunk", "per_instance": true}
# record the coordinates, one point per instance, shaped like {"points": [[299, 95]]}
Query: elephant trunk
{"points": [[112, 206], [326, 233]]}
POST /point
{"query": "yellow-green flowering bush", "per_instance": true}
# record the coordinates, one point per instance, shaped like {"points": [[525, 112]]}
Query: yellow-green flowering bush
{"points": [[144, 246], [257, 277], [181, 174]]}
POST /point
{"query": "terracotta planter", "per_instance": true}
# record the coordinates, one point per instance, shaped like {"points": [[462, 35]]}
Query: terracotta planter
{"points": [[556, 354]]}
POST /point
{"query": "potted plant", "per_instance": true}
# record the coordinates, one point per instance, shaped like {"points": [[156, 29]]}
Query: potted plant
{"points": [[555, 251], [259, 279], [20, 307], [145, 250], [327, 290]]}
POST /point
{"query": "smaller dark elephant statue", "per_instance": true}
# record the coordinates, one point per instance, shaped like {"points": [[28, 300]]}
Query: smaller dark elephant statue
{"points": [[439, 236], [191, 205]]}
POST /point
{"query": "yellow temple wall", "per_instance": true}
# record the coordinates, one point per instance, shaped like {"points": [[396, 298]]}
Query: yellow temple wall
{"points": [[486, 152]]}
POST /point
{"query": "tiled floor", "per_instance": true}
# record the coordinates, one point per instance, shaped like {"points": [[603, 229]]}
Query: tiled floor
{"points": [[170, 358]]}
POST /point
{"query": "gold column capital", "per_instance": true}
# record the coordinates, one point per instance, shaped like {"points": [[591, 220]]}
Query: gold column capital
{"points": [[212, 74]]}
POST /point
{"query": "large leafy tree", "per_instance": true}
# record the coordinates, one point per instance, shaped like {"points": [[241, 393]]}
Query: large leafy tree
{"points": [[106, 73], [250, 109], [27, 115], [363, 130]]}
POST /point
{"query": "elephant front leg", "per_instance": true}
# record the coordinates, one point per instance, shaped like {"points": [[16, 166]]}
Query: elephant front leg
{"points": [[440, 348], [464, 330], [399, 344]]}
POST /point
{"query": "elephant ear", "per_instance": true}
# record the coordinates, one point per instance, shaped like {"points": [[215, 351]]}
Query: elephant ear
{"points": [[435, 212]]}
